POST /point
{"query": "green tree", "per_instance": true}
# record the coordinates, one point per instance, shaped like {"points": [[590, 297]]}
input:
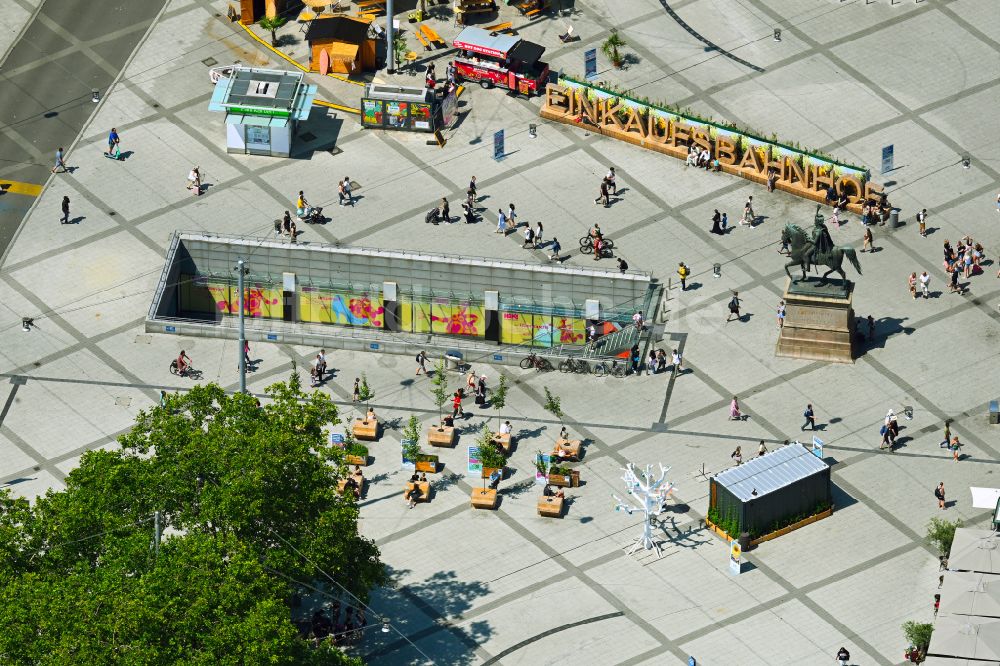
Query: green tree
{"points": [[918, 634], [489, 453], [941, 533], [498, 398], [272, 25], [365, 394], [553, 405], [610, 46], [439, 390], [248, 497], [411, 439], [399, 49]]}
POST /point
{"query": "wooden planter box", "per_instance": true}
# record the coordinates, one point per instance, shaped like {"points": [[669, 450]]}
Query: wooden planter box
{"points": [[487, 471], [356, 460], [366, 431], [573, 480], [503, 442], [425, 491], [443, 437], [773, 535], [570, 446], [426, 466], [551, 507], [484, 498]]}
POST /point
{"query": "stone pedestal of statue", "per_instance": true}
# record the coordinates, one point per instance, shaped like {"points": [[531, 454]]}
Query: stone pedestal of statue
{"points": [[819, 321]]}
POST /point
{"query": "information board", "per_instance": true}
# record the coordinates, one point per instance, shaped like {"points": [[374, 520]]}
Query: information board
{"points": [[590, 63], [498, 148]]}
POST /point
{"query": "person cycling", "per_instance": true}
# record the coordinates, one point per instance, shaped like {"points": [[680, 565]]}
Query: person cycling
{"points": [[183, 363], [596, 231]]}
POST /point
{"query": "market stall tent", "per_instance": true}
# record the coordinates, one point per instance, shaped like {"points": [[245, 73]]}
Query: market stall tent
{"points": [[966, 637], [975, 550], [965, 593]]}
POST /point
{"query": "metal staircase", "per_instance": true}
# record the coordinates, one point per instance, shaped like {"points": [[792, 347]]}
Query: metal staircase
{"points": [[612, 343]]}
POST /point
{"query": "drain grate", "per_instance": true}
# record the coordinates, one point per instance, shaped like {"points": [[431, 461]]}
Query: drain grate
{"points": [[124, 401], [209, 61], [307, 136], [143, 339]]}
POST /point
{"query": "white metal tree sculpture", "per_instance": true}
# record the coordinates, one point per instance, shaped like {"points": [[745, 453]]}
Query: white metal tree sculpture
{"points": [[651, 494]]}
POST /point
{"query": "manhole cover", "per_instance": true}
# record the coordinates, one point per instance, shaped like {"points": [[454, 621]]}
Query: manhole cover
{"points": [[307, 136], [123, 402], [208, 62], [143, 339]]}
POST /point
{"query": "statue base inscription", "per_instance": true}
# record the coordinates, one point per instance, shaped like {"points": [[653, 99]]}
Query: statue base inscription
{"points": [[819, 322]]}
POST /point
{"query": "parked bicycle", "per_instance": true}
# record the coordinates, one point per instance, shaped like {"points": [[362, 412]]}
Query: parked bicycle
{"points": [[615, 369], [186, 372], [587, 245], [574, 365], [537, 362]]}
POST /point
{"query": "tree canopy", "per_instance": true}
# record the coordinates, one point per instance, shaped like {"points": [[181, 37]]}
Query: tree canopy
{"points": [[248, 499]]}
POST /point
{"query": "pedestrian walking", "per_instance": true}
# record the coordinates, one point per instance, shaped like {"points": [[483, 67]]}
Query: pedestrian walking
{"points": [[114, 144], [555, 247], [888, 439], [651, 363], [737, 456], [937, 604], [683, 272], [501, 222], [603, 194], [843, 656], [345, 189], [749, 216], [636, 360], [716, 223], [456, 403], [786, 248], [947, 434], [676, 362], [867, 241], [246, 353], [810, 417], [925, 281], [939, 493], [734, 410], [469, 211], [60, 164], [422, 362], [622, 266], [529, 237], [761, 450], [539, 230], [194, 181], [356, 393], [734, 307], [65, 211], [911, 283], [472, 190], [781, 314], [953, 285], [725, 222], [610, 178], [512, 216], [922, 223], [638, 320], [955, 446], [445, 210]]}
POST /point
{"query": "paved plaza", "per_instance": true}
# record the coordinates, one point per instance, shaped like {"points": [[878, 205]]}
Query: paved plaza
{"points": [[510, 587]]}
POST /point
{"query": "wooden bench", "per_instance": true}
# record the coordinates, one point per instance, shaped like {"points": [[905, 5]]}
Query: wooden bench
{"points": [[367, 431], [371, 4], [431, 35], [484, 498], [443, 437], [503, 441], [551, 507], [342, 484], [573, 480], [356, 460], [501, 27], [570, 446], [423, 486]]}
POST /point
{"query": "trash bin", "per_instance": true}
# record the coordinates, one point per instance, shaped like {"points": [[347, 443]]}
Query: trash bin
{"points": [[453, 359], [744, 541], [894, 219]]}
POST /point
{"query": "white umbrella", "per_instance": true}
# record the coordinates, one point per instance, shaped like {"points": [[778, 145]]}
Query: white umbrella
{"points": [[975, 550], [965, 593], [965, 636]]}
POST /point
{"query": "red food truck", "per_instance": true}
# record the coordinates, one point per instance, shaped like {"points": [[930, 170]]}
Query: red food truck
{"points": [[500, 60]]}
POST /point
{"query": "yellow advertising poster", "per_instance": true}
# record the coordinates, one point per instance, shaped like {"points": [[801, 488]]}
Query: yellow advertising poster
{"points": [[220, 296], [259, 301], [570, 330], [329, 307], [314, 306], [516, 328], [458, 319], [415, 316]]}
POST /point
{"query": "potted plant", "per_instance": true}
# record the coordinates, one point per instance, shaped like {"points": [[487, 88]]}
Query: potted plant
{"points": [[439, 391], [354, 453], [399, 49], [498, 398], [272, 24], [918, 634], [941, 533], [489, 454], [411, 447], [610, 48], [366, 395]]}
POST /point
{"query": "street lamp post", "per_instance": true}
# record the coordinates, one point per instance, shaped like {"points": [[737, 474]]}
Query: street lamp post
{"points": [[243, 335], [390, 50]]}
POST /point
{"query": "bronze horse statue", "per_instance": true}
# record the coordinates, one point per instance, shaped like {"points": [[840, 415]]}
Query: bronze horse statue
{"points": [[802, 254]]}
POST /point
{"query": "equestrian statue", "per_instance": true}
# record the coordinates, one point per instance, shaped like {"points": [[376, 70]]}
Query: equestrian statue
{"points": [[816, 249]]}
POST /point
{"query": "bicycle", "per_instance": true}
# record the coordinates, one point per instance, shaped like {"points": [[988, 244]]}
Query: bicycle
{"points": [[602, 369], [189, 371], [574, 365], [535, 361], [587, 245]]}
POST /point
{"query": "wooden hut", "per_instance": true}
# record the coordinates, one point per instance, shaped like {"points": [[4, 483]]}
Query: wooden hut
{"points": [[344, 41]]}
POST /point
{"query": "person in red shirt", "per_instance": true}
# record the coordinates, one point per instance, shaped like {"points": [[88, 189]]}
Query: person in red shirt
{"points": [[457, 404]]}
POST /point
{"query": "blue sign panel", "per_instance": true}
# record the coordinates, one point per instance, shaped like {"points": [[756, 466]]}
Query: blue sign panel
{"points": [[497, 357], [498, 145], [272, 337], [373, 345], [887, 158], [590, 63], [170, 329]]}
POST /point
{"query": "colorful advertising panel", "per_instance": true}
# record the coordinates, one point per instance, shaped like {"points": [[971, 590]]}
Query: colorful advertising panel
{"points": [[415, 317], [323, 306], [259, 301], [420, 116], [457, 319], [570, 330], [371, 112], [516, 328], [397, 114]]}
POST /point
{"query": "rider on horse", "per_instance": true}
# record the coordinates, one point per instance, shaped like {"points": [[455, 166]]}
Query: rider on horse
{"points": [[822, 242]]}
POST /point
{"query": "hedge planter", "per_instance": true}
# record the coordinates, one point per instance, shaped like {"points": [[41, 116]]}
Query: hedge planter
{"points": [[356, 460], [772, 535]]}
